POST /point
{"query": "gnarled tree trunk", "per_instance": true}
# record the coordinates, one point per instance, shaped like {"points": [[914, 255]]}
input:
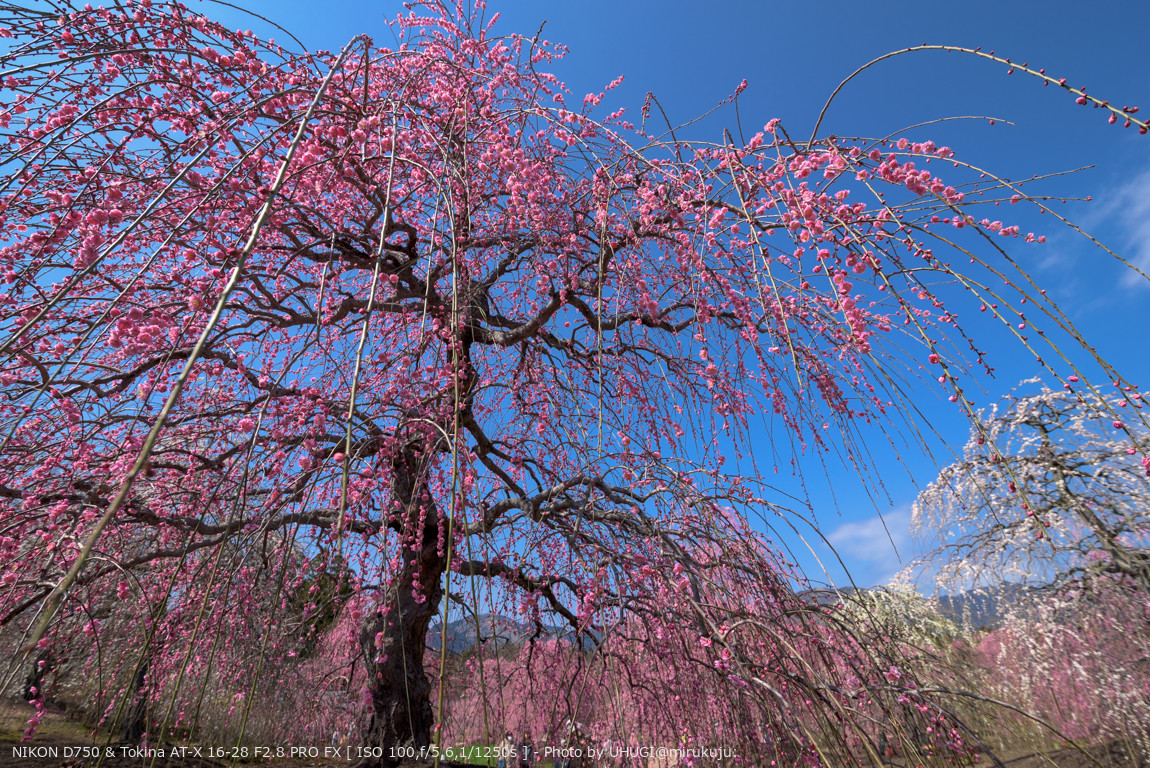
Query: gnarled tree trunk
{"points": [[394, 637], [34, 680], [136, 719]]}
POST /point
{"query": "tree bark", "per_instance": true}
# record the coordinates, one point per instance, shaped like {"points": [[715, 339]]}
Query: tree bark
{"points": [[402, 718], [34, 680], [136, 718]]}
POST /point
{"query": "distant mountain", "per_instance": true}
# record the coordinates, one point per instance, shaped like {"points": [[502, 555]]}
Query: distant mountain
{"points": [[985, 608], [495, 632], [978, 609], [826, 595]]}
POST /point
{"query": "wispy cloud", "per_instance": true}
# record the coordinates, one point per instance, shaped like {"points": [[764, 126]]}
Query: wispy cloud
{"points": [[1129, 207], [876, 548]]}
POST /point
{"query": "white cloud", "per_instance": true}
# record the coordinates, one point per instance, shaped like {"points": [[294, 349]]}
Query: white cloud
{"points": [[1129, 207], [876, 548]]}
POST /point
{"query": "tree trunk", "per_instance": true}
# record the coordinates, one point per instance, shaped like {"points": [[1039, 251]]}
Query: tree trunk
{"points": [[136, 718], [401, 714], [34, 680]]}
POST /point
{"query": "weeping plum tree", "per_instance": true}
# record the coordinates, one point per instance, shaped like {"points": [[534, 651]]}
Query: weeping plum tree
{"points": [[1053, 486], [1052, 494], [409, 314], [1102, 624]]}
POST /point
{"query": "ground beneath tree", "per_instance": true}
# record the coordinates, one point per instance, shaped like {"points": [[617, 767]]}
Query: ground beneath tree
{"points": [[1112, 755], [58, 731]]}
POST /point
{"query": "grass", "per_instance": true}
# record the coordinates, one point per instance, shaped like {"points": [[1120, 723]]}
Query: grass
{"points": [[14, 719], [477, 754]]}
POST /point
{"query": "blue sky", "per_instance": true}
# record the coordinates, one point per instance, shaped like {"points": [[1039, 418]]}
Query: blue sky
{"points": [[692, 55]]}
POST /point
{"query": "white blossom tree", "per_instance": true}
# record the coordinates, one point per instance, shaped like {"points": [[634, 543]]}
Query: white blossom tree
{"points": [[1052, 486]]}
